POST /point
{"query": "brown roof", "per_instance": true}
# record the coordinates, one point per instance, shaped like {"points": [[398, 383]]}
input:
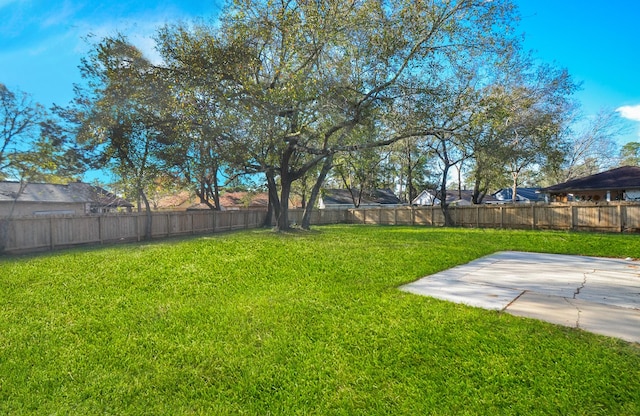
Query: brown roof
{"points": [[228, 200], [237, 200], [626, 177], [178, 200], [244, 200]]}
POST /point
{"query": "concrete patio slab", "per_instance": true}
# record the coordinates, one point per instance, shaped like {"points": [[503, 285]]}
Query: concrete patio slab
{"points": [[594, 294], [472, 294], [554, 309]]}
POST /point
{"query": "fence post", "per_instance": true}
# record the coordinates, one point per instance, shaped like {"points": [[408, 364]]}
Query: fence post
{"points": [[51, 243], [533, 216], [100, 231], [621, 216], [137, 225]]}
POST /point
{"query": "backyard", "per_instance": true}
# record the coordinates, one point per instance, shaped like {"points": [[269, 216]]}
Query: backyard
{"points": [[257, 322]]}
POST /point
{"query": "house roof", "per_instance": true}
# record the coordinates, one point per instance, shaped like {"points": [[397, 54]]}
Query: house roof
{"points": [[455, 195], [530, 194], [76, 192], [626, 177], [179, 200], [237, 200], [343, 197], [244, 200]]}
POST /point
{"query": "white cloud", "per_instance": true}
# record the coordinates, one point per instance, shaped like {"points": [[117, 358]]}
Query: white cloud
{"points": [[631, 112], [141, 35]]}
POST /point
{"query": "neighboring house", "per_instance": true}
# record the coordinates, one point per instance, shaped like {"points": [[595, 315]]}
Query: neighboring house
{"points": [[229, 201], [232, 201], [178, 201], [54, 199], [426, 198], [342, 199], [526, 195], [235, 201], [454, 197], [621, 184]]}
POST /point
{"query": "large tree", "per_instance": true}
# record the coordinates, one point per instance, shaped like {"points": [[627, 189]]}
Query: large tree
{"points": [[591, 142], [35, 144], [526, 119], [125, 115], [630, 154], [20, 118], [310, 77]]}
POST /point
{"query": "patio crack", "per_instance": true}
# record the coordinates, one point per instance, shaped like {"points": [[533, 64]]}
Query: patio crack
{"points": [[575, 295], [577, 310], [584, 282]]}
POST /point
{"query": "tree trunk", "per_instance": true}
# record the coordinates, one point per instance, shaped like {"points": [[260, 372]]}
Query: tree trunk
{"points": [[444, 205], [514, 189], [286, 179], [216, 190], [306, 217], [149, 217], [410, 191], [460, 181], [273, 210], [282, 220], [475, 197]]}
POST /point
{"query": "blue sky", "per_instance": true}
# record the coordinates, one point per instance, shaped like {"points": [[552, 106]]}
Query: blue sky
{"points": [[599, 43], [41, 43]]}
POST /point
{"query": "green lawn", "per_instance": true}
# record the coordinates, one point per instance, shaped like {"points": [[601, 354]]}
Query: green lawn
{"points": [[304, 323]]}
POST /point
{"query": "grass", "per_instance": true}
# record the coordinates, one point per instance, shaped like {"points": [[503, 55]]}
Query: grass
{"points": [[303, 323]]}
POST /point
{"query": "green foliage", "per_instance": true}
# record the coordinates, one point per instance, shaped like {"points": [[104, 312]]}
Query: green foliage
{"points": [[124, 114], [298, 323], [19, 118], [522, 125], [286, 89], [306, 80], [630, 154], [34, 145]]}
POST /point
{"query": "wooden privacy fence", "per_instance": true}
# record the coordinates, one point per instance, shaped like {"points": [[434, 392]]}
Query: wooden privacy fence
{"points": [[21, 235], [609, 217], [48, 233]]}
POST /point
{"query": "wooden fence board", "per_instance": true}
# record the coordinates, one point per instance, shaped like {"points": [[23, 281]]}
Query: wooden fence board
{"points": [[632, 218]]}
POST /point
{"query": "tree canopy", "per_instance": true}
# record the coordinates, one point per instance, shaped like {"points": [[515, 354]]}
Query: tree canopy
{"points": [[291, 89], [34, 145], [306, 80]]}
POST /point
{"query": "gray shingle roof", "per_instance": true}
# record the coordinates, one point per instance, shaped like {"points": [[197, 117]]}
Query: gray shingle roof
{"points": [[626, 177], [76, 192], [343, 197], [530, 194]]}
